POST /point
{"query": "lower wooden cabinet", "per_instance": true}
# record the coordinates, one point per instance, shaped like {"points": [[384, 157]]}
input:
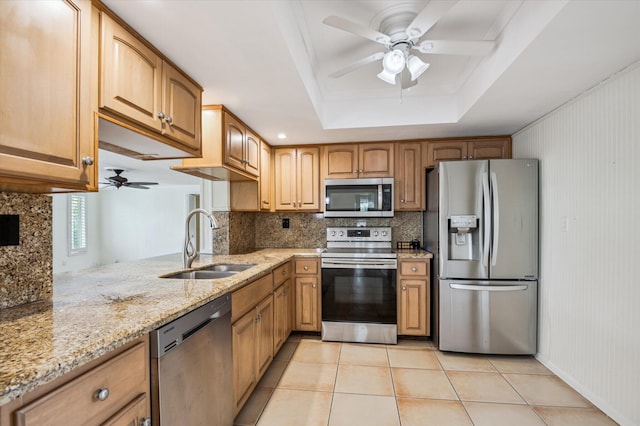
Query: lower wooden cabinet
{"points": [[413, 297], [252, 332], [112, 390], [308, 296]]}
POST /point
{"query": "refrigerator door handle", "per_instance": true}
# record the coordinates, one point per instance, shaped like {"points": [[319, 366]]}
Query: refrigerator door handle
{"points": [[487, 219], [488, 287], [496, 220]]}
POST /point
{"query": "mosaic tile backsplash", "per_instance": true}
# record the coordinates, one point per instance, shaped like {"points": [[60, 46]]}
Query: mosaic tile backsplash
{"points": [[26, 270]]}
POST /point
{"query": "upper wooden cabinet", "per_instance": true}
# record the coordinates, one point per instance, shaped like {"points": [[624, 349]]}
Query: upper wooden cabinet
{"points": [[265, 177], [141, 91], [467, 149], [358, 160], [241, 147], [230, 150], [297, 178], [409, 175], [48, 93]]}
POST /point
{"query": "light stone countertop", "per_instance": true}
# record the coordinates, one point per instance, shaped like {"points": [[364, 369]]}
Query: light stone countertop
{"points": [[97, 310]]}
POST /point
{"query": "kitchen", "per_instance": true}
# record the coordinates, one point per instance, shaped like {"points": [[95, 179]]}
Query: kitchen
{"points": [[587, 326]]}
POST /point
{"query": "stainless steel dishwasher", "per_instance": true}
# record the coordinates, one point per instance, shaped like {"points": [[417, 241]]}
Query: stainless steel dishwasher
{"points": [[191, 376]]}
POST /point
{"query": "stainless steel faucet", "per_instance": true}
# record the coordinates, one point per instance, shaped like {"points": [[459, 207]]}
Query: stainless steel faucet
{"points": [[189, 251]]}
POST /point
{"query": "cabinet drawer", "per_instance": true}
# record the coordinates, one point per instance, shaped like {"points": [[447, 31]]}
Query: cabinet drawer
{"points": [[247, 297], [75, 403], [306, 266], [281, 274], [413, 269]]}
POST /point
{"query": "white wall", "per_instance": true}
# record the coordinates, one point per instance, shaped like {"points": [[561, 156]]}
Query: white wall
{"points": [[589, 327], [123, 225]]}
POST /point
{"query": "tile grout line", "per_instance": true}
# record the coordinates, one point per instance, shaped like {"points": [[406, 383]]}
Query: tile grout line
{"points": [[393, 385], [454, 388]]}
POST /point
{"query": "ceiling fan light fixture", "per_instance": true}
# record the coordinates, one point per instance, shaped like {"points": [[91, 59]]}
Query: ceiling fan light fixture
{"points": [[387, 76], [416, 67], [394, 61]]}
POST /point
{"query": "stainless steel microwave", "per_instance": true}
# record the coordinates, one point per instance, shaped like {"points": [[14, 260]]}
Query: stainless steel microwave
{"points": [[358, 197]]}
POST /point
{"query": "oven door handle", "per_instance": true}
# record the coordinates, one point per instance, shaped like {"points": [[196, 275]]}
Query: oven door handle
{"points": [[360, 264]]}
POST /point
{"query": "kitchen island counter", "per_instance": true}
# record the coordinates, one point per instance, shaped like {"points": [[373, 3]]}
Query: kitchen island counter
{"points": [[97, 310]]}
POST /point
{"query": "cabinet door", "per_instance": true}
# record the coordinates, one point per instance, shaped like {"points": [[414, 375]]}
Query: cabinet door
{"points": [[265, 177], [413, 312], [308, 179], [234, 142], [280, 311], [285, 178], [445, 151], [243, 333], [252, 154], [47, 94], [487, 149], [307, 309], [375, 160], [340, 161], [289, 311], [133, 414], [131, 84], [409, 177], [264, 335], [182, 102]]}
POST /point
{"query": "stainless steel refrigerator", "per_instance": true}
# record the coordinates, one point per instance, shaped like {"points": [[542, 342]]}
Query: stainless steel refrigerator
{"points": [[482, 224]]}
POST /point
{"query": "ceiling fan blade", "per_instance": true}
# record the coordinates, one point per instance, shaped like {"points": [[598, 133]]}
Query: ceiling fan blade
{"points": [[136, 186], [141, 183], [428, 17], [357, 29], [456, 47], [405, 80], [357, 64]]}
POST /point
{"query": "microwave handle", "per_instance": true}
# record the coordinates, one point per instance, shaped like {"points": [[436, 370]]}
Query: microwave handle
{"points": [[380, 197]]}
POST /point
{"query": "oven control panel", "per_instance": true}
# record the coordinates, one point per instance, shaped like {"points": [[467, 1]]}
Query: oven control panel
{"points": [[361, 234]]}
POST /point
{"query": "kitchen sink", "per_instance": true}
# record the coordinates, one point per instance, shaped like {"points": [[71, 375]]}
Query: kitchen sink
{"points": [[230, 267], [200, 275]]}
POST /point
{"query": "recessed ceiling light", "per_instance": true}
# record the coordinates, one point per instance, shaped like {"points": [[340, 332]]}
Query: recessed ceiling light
{"points": [[282, 135]]}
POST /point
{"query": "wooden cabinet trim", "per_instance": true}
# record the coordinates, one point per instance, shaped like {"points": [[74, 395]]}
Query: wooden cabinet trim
{"points": [[247, 297]]}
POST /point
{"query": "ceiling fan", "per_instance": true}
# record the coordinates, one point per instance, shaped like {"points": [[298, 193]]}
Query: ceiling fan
{"points": [[118, 181], [401, 33]]}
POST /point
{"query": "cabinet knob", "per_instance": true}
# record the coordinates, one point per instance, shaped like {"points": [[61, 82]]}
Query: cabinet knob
{"points": [[414, 269], [101, 394], [471, 157], [314, 286], [160, 115], [145, 421], [402, 201], [306, 268], [87, 161], [404, 289], [464, 157], [168, 120]]}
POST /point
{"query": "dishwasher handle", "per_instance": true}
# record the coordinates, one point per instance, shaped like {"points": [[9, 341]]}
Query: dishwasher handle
{"points": [[171, 335]]}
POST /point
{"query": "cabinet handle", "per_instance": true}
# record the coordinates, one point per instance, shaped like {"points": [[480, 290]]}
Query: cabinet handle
{"points": [[471, 157], [402, 201], [168, 120], [101, 394], [404, 289], [306, 268], [160, 115], [87, 161], [314, 286], [145, 421], [414, 269]]}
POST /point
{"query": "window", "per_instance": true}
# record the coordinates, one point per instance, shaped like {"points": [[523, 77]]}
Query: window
{"points": [[77, 223]]}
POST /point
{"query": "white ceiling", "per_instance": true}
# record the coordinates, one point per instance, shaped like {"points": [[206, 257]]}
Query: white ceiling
{"points": [[269, 62]]}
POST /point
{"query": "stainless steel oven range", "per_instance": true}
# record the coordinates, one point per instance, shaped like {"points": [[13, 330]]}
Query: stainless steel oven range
{"points": [[359, 286]]}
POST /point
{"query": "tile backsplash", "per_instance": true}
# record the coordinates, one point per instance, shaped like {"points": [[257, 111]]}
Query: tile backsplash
{"points": [[26, 269], [251, 231]]}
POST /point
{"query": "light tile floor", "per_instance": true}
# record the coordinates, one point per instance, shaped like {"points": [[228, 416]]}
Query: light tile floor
{"points": [[311, 382]]}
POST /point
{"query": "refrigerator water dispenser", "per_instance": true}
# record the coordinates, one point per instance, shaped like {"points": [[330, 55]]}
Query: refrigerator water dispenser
{"points": [[463, 237]]}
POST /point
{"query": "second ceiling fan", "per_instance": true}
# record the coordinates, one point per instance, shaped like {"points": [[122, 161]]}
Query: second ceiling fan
{"points": [[401, 34]]}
